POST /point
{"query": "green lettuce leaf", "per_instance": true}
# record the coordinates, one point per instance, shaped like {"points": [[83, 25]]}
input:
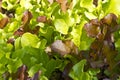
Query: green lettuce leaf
{"points": [[29, 39], [88, 4], [112, 6], [61, 26], [78, 73]]}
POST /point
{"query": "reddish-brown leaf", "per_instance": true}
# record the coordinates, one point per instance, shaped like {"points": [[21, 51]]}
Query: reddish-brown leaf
{"points": [[27, 16], [95, 2], [64, 47], [95, 44], [22, 73], [92, 29], [19, 32], [109, 53], [41, 19], [11, 40], [63, 4], [59, 47], [115, 28], [95, 22], [61, 1], [35, 30], [110, 18], [72, 46], [3, 22], [64, 7]]}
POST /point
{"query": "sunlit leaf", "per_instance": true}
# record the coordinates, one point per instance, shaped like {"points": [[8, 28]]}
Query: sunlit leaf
{"points": [[74, 3], [88, 4], [77, 32], [32, 26], [26, 4], [29, 39], [112, 6], [61, 26], [90, 15]]}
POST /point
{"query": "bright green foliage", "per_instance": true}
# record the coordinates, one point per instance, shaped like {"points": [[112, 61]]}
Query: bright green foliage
{"points": [[35, 68], [77, 33], [112, 6], [16, 62], [61, 26], [29, 48], [51, 66], [78, 73], [88, 4], [26, 4], [117, 43], [29, 39]]}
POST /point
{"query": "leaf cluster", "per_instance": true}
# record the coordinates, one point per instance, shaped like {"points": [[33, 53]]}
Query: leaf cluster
{"points": [[48, 39]]}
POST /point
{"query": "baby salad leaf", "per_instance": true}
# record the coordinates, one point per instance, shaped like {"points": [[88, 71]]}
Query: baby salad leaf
{"points": [[77, 33], [118, 43], [74, 3], [90, 15], [93, 28], [88, 4], [29, 39], [78, 73], [61, 26], [16, 62], [112, 6], [3, 22], [47, 32], [79, 67], [52, 65], [41, 19], [26, 4], [34, 69]]}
